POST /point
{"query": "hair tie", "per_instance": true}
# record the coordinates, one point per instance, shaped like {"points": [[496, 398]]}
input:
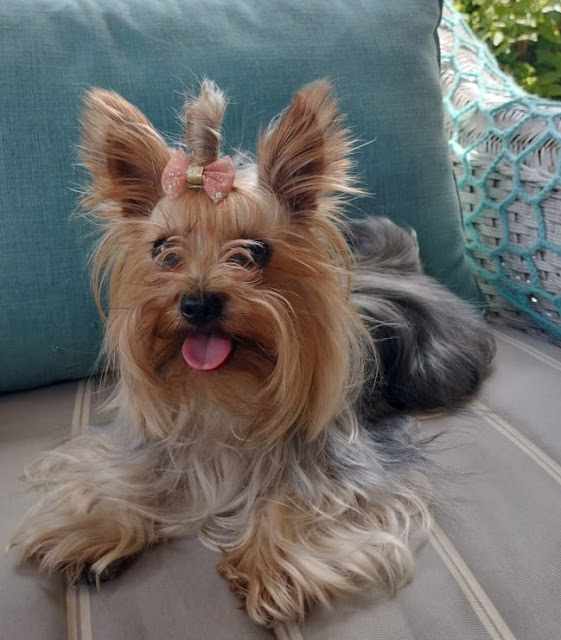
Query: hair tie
{"points": [[216, 178]]}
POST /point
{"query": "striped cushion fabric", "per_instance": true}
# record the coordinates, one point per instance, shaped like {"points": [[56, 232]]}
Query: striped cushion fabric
{"points": [[490, 569]]}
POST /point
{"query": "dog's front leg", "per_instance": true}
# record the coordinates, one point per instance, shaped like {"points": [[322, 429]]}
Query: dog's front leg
{"points": [[256, 569], [102, 506], [294, 555]]}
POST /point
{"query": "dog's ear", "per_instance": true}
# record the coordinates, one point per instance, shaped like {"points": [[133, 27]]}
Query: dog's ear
{"points": [[123, 152], [304, 155]]}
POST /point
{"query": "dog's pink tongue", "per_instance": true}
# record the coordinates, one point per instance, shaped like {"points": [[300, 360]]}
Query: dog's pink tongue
{"points": [[206, 351]]}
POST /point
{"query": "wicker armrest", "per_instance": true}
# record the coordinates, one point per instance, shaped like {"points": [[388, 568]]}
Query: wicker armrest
{"points": [[505, 147]]}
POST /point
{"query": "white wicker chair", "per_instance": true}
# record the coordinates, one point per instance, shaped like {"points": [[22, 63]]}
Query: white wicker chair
{"points": [[505, 148]]}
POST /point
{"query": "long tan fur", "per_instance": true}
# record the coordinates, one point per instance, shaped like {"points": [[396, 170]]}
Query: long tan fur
{"points": [[265, 458]]}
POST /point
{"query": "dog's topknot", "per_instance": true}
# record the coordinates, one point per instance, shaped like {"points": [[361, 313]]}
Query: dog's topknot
{"points": [[203, 118]]}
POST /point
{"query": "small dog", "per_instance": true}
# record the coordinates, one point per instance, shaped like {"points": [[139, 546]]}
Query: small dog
{"points": [[266, 355]]}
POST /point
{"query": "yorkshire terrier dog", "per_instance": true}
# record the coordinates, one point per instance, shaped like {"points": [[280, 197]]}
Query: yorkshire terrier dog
{"points": [[266, 355]]}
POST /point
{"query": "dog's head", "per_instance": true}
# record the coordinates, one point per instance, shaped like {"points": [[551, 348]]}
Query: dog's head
{"points": [[236, 299]]}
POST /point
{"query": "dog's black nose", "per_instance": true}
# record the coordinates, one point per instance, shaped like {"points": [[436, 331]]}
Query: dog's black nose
{"points": [[201, 309]]}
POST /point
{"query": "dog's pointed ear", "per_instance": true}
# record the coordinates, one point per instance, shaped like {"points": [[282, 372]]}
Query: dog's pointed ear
{"points": [[304, 155], [123, 152]]}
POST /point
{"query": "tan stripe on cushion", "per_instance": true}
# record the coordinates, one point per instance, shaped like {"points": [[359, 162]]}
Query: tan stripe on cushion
{"points": [[86, 406], [287, 631], [77, 413], [280, 631], [85, 614], [478, 599], [77, 597], [527, 446], [71, 613], [539, 355], [294, 631]]}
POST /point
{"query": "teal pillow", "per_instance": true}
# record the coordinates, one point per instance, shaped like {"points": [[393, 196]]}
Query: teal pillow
{"points": [[382, 57]]}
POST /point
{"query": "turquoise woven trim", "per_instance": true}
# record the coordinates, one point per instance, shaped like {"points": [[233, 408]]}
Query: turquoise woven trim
{"points": [[499, 136]]}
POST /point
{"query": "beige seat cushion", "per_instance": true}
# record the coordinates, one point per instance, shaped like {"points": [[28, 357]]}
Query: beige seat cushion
{"points": [[490, 569]]}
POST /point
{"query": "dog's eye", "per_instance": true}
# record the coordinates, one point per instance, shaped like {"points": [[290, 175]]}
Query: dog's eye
{"points": [[162, 253], [252, 253]]}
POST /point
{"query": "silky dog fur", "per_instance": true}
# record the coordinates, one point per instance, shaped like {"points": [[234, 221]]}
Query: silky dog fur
{"points": [[296, 460]]}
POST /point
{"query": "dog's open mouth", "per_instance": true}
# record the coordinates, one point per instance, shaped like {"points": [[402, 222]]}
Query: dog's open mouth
{"points": [[207, 351]]}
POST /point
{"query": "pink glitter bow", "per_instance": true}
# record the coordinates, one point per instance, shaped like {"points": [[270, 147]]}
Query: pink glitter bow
{"points": [[216, 178]]}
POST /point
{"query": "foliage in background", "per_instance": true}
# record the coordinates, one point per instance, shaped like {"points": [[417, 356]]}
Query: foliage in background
{"points": [[525, 37]]}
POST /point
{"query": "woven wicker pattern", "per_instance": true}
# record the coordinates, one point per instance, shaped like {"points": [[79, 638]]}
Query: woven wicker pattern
{"points": [[505, 147]]}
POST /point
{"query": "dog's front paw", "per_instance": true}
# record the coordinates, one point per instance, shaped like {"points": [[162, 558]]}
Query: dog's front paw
{"points": [[266, 598], [93, 547], [238, 584], [90, 575]]}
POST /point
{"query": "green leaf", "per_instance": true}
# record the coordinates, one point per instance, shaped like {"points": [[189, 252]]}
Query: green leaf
{"points": [[525, 36]]}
